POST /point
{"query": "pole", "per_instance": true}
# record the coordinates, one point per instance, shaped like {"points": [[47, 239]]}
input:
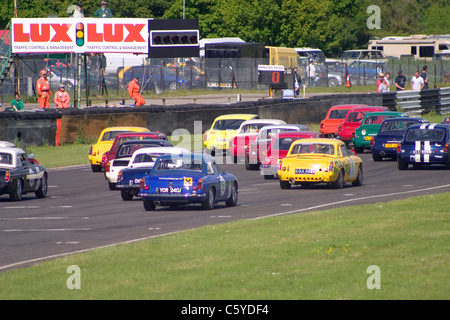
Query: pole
{"points": [[78, 80]]}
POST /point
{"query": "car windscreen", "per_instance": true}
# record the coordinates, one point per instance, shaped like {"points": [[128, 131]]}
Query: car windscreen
{"points": [[396, 125], [338, 114], [228, 124], [425, 135], [312, 148]]}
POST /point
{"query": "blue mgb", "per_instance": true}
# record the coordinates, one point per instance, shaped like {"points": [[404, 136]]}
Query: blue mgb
{"points": [[184, 179]]}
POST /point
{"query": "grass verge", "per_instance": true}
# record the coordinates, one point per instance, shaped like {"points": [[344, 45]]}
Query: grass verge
{"points": [[313, 255]]}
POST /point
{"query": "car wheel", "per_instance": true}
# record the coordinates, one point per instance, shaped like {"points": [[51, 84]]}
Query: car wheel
{"points": [[359, 179], [339, 183], [126, 195], [285, 184], [333, 82], [376, 157], [359, 149], [402, 165], [111, 186], [232, 200], [16, 194], [149, 205], [250, 166], [208, 203], [268, 176], [41, 192], [96, 168]]}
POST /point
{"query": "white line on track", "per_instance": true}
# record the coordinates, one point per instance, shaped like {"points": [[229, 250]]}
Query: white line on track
{"points": [[46, 230]]}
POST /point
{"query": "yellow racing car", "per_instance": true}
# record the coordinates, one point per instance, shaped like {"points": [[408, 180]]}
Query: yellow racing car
{"points": [[320, 160]]}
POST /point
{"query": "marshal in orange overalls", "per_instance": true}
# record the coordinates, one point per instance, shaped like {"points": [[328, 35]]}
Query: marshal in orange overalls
{"points": [[43, 90], [62, 98], [133, 91]]}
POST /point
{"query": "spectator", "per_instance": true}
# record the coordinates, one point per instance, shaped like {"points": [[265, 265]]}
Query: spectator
{"points": [[311, 74], [387, 75], [43, 90], [103, 11], [62, 98], [400, 81], [381, 83], [417, 82], [297, 82], [133, 91], [16, 103], [78, 13], [424, 77]]}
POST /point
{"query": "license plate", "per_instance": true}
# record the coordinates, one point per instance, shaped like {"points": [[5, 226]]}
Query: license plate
{"points": [[368, 138], [170, 190], [421, 152], [390, 145], [305, 171]]}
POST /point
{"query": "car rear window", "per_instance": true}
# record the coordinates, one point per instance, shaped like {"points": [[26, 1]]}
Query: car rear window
{"points": [[5, 158], [396, 125], [338, 114], [228, 124], [425, 135]]}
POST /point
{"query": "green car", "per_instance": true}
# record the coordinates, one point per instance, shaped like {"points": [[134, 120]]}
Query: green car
{"points": [[370, 125]]}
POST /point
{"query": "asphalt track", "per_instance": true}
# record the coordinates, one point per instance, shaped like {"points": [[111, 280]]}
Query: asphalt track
{"points": [[80, 212]]}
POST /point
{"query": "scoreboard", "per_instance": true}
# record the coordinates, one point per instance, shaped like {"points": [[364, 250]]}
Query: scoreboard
{"points": [[277, 77]]}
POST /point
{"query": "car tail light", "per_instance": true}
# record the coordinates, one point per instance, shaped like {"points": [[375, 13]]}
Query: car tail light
{"points": [[119, 176], [200, 184], [104, 157], [399, 147], [108, 166], [7, 176], [142, 185], [372, 141], [331, 167], [446, 148], [90, 150]]}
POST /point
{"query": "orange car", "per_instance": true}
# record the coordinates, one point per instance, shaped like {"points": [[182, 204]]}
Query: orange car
{"points": [[336, 114]]}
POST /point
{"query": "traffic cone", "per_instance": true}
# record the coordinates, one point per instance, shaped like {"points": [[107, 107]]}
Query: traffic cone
{"points": [[348, 84]]}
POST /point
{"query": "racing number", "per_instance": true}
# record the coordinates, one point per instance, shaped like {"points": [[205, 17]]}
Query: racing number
{"points": [[275, 77]]}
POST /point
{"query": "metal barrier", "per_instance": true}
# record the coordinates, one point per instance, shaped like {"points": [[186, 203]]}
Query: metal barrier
{"points": [[444, 100], [419, 102], [408, 101]]}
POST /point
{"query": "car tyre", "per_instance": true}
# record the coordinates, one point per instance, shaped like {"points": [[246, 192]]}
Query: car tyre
{"points": [[285, 184], [333, 82], [359, 149], [339, 183], [359, 179], [208, 203], [250, 166], [149, 205], [96, 168], [41, 192], [126, 195], [402, 165], [376, 157], [232, 200], [16, 194]]}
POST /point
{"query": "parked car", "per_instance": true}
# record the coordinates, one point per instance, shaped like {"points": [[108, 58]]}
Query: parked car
{"points": [[258, 149], [246, 134], [335, 115], [364, 54], [150, 76], [20, 174], [121, 138], [311, 161], [279, 148], [188, 179], [105, 142], [366, 71], [124, 155], [222, 130], [353, 120], [140, 165], [424, 144], [390, 135], [369, 128]]}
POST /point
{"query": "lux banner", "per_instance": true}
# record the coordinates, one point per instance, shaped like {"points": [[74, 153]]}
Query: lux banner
{"points": [[70, 35]]}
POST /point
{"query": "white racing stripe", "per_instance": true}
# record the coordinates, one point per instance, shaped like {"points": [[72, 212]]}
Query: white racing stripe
{"points": [[417, 154], [426, 151]]}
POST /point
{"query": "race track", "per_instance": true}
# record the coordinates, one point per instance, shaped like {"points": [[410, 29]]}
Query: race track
{"points": [[81, 213]]}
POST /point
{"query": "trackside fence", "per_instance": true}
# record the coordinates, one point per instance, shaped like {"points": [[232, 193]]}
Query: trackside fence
{"points": [[419, 102]]}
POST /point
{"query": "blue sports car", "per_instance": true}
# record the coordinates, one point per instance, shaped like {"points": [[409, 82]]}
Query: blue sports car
{"points": [[390, 135], [184, 179], [424, 144]]}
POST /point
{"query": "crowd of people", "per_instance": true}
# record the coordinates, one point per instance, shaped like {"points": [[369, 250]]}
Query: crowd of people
{"points": [[418, 82]]}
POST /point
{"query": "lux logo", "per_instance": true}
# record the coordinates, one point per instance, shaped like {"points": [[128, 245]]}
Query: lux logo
{"points": [[115, 33], [42, 33]]}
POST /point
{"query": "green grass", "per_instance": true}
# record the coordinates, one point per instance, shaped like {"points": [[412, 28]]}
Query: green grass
{"points": [[313, 255]]}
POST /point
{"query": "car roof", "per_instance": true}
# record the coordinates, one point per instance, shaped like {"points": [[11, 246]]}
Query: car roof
{"points": [[7, 144], [132, 128], [146, 141], [162, 149], [406, 118], [383, 113], [320, 140], [13, 151], [430, 126], [282, 126], [136, 133], [206, 157], [274, 121], [288, 134], [348, 106], [237, 116], [377, 108]]}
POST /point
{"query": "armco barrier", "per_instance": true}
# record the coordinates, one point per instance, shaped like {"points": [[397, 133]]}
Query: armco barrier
{"points": [[42, 127], [444, 100], [421, 102], [408, 101]]}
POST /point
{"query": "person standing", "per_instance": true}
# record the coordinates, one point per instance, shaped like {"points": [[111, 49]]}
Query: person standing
{"points": [[133, 91], [78, 13], [417, 82], [297, 82], [62, 98], [424, 77], [387, 75], [400, 81], [381, 83], [311, 74], [16, 103], [103, 11], [43, 90]]}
